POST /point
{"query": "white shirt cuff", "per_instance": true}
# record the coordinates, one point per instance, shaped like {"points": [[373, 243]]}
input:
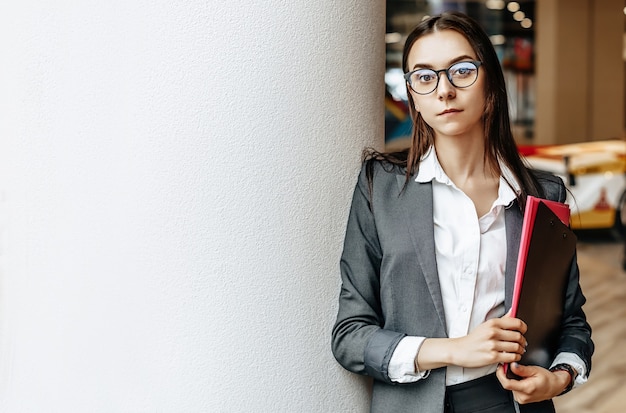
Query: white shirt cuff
{"points": [[574, 361], [402, 364]]}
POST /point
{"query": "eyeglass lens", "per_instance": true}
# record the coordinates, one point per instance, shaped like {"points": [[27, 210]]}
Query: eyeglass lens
{"points": [[462, 74]]}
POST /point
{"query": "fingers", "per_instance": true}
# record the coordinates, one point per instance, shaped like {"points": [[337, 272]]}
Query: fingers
{"points": [[511, 384], [510, 341], [532, 387], [507, 322], [513, 337], [506, 358], [506, 342], [511, 351], [498, 340], [521, 370], [501, 375]]}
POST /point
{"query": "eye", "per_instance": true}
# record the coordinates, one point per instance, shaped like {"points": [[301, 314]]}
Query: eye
{"points": [[425, 76], [463, 69]]}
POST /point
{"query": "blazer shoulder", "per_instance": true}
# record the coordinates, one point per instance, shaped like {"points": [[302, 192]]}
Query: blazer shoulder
{"points": [[553, 186], [380, 181], [376, 172], [384, 166]]}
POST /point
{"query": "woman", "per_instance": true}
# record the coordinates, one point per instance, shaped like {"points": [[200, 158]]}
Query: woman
{"points": [[431, 246]]}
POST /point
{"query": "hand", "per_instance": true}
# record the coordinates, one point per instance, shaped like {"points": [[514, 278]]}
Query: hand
{"points": [[499, 340], [537, 384]]}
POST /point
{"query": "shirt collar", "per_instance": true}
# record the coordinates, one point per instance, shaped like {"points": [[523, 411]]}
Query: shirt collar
{"points": [[430, 170], [509, 186]]}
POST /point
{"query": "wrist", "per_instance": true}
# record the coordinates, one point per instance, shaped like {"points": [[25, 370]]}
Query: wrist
{"points": [[450, 353], [567, 375], [563, 381], [434, 353], [418, 371]]}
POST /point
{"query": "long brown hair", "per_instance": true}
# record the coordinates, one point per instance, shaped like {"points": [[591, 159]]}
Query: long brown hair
{"points": [[499, 144]]}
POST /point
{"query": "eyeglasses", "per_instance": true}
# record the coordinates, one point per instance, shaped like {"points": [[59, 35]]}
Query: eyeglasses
{"points": [[461, 75]]}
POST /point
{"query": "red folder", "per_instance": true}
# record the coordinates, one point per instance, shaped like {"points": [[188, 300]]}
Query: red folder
{"points": [[547, 247]]}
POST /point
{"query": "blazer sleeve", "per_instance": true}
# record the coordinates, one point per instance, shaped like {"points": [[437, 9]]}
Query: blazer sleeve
{"points": [[576, 331], [359, 341]]}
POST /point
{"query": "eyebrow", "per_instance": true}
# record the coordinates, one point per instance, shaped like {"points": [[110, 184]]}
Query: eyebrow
{"points": [[450, 63]]}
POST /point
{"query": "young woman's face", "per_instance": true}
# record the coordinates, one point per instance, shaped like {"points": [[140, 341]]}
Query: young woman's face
{"points": [[449, 110]]}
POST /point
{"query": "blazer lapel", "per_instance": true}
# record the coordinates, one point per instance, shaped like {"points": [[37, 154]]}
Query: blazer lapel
{"points": [[513, 222], [418, 210]]}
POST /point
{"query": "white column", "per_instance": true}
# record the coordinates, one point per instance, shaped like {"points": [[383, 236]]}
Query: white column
{"points": [[175, 179]]}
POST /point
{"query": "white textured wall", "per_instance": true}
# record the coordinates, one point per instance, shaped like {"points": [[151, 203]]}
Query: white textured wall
{"points": [[174, 184]]}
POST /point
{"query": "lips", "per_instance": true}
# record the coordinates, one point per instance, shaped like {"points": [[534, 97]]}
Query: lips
{"points": [[448, 111]]}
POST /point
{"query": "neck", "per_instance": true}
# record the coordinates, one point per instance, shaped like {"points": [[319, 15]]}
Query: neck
{"points": [[463, 157]]}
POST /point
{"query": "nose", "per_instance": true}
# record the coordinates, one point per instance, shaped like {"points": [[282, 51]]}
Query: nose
{"points": [[445, 89]]}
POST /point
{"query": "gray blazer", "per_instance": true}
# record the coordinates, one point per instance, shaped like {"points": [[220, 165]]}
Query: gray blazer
{"points": [[390, 287]]}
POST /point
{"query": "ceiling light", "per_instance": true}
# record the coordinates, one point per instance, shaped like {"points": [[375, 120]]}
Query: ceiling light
{"points": [[495, 4], [526, 23], [513, 6], [519, 16]]}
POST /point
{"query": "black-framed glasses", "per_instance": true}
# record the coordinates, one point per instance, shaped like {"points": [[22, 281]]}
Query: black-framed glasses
{"points": [[461, 75]]}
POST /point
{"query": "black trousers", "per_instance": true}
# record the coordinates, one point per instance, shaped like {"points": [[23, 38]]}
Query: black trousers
{"points": [[486, 395]]}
